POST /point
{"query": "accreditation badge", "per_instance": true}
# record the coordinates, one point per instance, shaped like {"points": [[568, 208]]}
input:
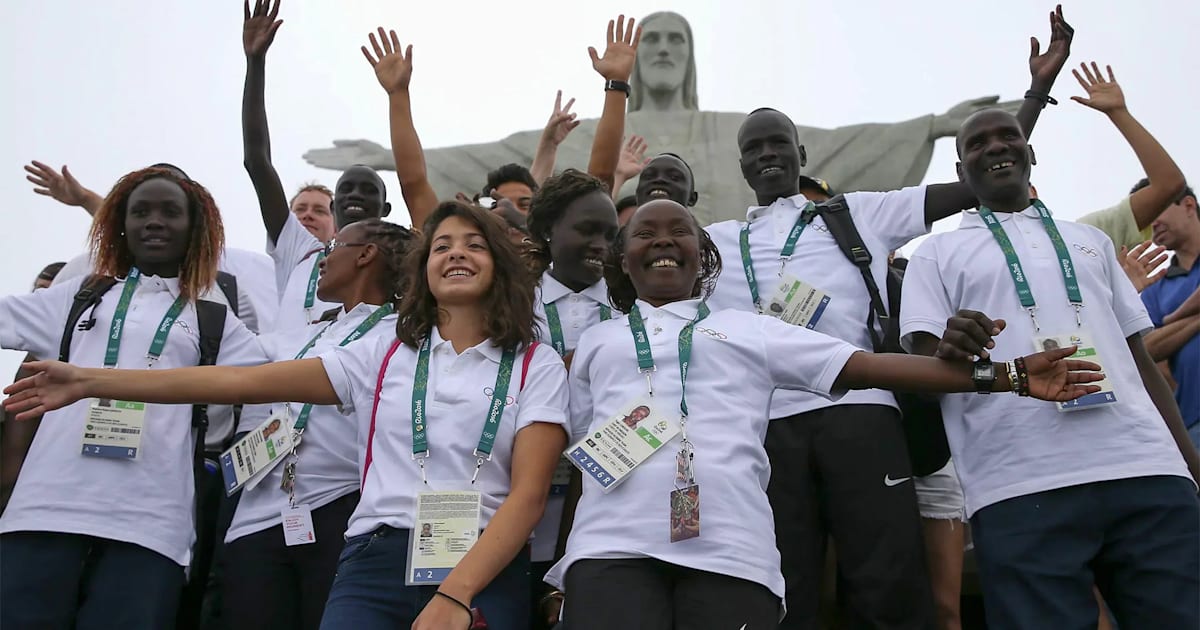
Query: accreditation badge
{"points": [[1085, 351], [797, 302], [114, 428], [445, 528], [253, 456], [610, 453]]}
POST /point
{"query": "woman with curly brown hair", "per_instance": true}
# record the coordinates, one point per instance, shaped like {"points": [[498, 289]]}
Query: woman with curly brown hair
{"points": [[460, 422], [103, 505]]}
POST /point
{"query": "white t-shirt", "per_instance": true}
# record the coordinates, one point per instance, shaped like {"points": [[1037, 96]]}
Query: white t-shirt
{"points": [[886, 221], [295, 255], [329, 467], [459, 393], [576, 312], [146, 501], [727, 425], [1006, 446]]}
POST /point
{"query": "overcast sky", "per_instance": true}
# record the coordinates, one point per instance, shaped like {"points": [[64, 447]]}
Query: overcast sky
{"points": [[108, 87]]}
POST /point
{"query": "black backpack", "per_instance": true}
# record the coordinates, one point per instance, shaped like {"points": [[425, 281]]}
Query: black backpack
{"points": [[921, 414], [211, 318]]}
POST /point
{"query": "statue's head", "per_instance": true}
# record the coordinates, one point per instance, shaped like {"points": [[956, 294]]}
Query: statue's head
{"points": [[666, 60]]}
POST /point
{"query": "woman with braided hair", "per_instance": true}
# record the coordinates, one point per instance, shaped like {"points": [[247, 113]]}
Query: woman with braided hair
{"points": [[104, 503]]}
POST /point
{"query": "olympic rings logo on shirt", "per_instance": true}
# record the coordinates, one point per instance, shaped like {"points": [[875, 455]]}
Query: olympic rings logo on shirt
{"points": [[712, 333], [508, 400], [1084, 249]]}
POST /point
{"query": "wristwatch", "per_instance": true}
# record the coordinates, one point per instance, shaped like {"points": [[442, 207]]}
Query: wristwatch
{"points": [[983, 374], [612, 85]]}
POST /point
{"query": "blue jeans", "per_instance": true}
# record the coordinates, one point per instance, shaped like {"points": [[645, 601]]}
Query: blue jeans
{"points": [[1137, 539], [50, 580], [369, 591]]}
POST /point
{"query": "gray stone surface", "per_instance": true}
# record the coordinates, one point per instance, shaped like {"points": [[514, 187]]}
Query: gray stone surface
{"points": [[664, 108]]}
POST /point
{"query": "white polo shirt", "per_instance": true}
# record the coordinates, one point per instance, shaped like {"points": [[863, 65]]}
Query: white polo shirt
{"points": [[147, 501], [295, 253], [329, 467], [886, 221], [1005, 446], [727, 426], [576, 312], [459, 393]]}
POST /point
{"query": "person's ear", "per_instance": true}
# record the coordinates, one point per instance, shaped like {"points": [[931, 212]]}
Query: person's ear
{"points": [[803, 155], [693, 198], [1032, 156], [958, 169], [387, 209]]}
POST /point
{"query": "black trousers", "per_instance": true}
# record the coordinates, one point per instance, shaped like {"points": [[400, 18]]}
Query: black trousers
{"points": [[844, 472], [648, 594], [270, 585]]}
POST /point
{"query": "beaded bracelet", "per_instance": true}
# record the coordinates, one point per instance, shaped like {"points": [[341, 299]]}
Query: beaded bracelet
{"points": [[1022, 376]]}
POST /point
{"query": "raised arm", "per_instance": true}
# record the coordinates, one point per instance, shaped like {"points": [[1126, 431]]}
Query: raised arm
{"points": [[943, 200], [1166, 180], [55, 385], [633, 160], [1164, 341], [615, 65], [62, 187], [258, 31], [562, 122], [393, 69]]}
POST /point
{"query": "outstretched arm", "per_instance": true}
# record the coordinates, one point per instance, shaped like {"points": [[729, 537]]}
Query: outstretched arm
{"points": [[1166, 180], [562, 122], [393, 69], [943, 200], [258, 31], [62, 187], [55, 385], [615, 65], [1163, 342]]}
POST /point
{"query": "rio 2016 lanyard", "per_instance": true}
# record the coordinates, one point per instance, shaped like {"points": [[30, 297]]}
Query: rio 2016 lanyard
{"points": [[645, 359], [789, 247], [289, 472], [118, 324], [1020, 279], [483, 451], [310, 294], [555, 325]]}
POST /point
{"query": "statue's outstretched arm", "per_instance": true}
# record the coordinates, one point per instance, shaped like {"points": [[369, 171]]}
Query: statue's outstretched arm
{"points": [[258, 31]]}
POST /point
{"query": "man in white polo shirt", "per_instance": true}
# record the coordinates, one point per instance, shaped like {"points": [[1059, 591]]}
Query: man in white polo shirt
{"points": [[1058, 497], [840, 469]]}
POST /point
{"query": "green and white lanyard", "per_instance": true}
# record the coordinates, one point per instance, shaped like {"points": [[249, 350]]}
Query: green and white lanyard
{"points": [[1020, 279], [789, 247], [645, 359], [491, 425], [310, 294], [288, 484], [113, 351], [555, 325]]}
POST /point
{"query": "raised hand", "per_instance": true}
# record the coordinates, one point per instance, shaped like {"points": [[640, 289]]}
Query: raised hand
{"points": [[621, 52], [1102, 95], [1045, 67], [1055, 378], [258, 30], [562, 121], [633, 158], [1140, 262], [393, 68], [63, 188], [53, 385], [968, 335]]}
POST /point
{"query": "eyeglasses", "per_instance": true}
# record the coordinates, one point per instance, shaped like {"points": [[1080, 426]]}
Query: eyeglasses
{"points": [[334, 244]]}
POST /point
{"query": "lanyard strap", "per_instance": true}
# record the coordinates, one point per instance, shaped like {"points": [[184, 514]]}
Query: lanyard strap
{"points": [[555, 325], [1020, 278], [363, 327], [117, 330], [789, 247], [645, 357], [491, 425], [310, 294]]}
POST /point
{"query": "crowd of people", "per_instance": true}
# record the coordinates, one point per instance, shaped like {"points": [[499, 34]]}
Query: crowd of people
{"points": [[503, 417]]}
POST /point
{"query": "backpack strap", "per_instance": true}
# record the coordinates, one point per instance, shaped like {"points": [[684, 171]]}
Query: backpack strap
{"points": [[525, 363], [836, 213], [88, 296], [387, 358], [228, 284], [211, 318]]}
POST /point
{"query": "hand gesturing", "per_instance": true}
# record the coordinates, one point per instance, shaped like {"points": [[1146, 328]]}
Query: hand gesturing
{"points": [[562, 121], [1102, 95], [258, 30], [1045, 66], [621, 52], [393, 68]]}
